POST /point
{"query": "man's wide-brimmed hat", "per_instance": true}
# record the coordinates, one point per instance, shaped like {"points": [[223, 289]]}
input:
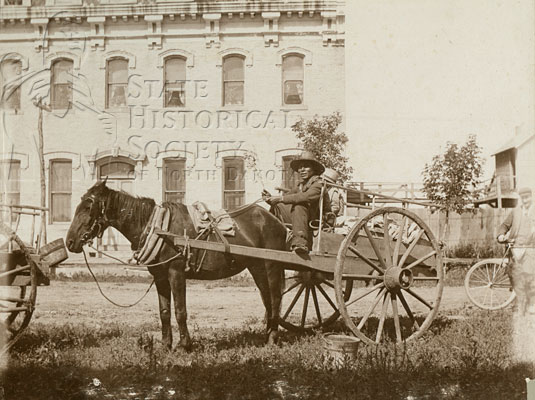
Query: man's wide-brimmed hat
{"points": [[330, 175], [307, 157]]}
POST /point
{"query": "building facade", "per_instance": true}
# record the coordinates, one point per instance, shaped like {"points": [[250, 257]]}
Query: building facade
{"points": [[174, 100]]}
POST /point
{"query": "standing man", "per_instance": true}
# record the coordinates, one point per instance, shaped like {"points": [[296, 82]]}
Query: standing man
{"points": [[519, 226], [303, 199]]}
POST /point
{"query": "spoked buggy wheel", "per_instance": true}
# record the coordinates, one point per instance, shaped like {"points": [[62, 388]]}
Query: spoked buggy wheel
{"points": [[16, 302], [403, 298], [488, 286], [309, 301]]}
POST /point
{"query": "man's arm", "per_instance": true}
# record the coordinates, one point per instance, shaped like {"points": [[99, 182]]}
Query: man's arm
{"points": [[505, 227], [312, 194]]}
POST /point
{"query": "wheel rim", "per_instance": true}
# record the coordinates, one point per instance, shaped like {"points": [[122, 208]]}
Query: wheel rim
{"points": [[404, 297], [16, 302], [309, 301], [487, 285]]}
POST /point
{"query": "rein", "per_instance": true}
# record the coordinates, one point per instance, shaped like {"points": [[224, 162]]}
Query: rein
{"points": [[106, 297]]}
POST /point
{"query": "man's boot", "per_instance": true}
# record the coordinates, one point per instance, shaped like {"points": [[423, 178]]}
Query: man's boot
{"points": [[299, 243]]}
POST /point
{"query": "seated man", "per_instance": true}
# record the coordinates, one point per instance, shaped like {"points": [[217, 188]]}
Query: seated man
{"points": [[336, 199], [304, 199]]}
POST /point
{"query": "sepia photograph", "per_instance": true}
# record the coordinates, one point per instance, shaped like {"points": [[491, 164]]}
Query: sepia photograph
{"points": [[267, 199]]}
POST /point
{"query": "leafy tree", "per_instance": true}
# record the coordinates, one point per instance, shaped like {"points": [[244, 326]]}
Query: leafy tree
{"points": [[451, 178], [319, 135]]}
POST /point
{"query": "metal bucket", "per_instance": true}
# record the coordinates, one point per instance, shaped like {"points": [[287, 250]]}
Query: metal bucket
{"points": [[340, 348]]}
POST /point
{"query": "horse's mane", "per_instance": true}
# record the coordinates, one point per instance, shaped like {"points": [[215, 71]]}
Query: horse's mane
{"points": [[137, 208]]}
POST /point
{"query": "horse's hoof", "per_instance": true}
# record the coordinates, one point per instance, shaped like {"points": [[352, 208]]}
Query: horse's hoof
{"points": [[273, 338], [184, 345]]}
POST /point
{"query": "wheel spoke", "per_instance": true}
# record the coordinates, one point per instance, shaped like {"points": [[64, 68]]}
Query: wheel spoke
{"points": [[421, 260], [398, 242], [330, 284], [322, 291], [395, 313], [410, 248], [384, 309], [375, 247], [305, 308], [370, 291], [478, 273], [370, 309], [408, 310], [366, 259], [316, 304], [479, 287], [426, 278], [292, 304], [386, 240], [291, 288], [418, 297]]}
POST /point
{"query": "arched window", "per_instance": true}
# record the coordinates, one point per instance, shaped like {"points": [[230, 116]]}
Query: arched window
{"points": [[120, 173], [116, 83], [233, 80], [174, 179], [289, 176], [292, 79], [61, 84], [60, 190], [10, 181], [234, 182], [175, 82], [10, 72]]}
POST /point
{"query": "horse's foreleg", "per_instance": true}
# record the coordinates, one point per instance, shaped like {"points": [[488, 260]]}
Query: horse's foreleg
{"points": [[261, 279], [275, 276], [177, 278], [164, 299]]}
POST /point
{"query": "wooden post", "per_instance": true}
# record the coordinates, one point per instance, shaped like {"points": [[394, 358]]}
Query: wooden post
{"points": [[39, 104], [499, 191]]}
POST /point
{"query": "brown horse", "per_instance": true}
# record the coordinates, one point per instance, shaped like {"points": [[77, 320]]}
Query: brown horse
{"points": [[102, 207]]}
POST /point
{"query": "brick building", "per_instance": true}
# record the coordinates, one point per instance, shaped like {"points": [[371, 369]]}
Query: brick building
{"points": [[175, 100]]}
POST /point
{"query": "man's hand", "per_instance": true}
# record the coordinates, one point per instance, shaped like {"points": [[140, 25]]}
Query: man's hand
{"points": [[266, 195], [274, 200], [503, 238]]}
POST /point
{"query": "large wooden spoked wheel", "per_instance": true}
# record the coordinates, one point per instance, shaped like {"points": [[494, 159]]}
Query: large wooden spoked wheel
{"points": [[405, 294], [309, 300], [487, 285], [16, 302]]}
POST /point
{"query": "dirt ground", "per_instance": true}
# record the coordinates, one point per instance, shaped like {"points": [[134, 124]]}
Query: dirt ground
{"points": [[208, 306]]}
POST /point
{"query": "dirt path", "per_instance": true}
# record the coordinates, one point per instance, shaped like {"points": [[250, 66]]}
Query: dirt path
{"points": [[80, 302]]}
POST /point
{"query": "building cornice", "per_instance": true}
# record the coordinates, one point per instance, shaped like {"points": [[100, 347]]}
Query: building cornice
{"points": [[183, 9], [190, 9]]}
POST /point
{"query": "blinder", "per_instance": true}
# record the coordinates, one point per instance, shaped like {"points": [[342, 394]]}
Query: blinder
{"points": [[100, 222]]}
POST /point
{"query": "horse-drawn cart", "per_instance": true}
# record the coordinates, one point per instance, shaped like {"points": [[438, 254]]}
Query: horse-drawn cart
{"points": [[384, 275], [23, 268]]}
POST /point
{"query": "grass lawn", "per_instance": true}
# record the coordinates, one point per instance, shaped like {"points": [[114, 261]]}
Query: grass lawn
{"points": [[466, 358]]}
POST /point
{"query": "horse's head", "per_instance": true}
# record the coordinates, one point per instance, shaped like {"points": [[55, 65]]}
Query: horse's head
{"points": [[90, 218]]}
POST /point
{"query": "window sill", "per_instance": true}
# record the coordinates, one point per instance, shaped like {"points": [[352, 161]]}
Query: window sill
{"points": [[120, 110], [296, 107], [11, 111], [66, 224], [240, 107]]}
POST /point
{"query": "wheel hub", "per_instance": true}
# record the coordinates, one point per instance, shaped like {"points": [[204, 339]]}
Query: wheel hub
{"points": [[398, 278]]}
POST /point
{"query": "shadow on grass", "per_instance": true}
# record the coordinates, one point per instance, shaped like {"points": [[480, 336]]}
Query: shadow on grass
{"points": [[460, 359]]}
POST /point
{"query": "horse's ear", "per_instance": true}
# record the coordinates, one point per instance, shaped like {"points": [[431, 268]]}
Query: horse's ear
{"points": [[104, 181]]}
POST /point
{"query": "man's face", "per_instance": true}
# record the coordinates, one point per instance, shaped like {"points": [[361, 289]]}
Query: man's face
{"points": [[526, 199], [305, 171]]}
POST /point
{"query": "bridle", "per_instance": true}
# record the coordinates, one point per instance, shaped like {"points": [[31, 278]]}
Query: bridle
{"points": [[101, 222]]}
